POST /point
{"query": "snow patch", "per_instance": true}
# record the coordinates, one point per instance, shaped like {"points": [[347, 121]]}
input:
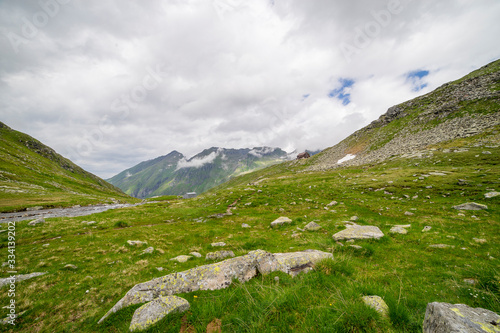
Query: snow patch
{"points": [[346, 158]]}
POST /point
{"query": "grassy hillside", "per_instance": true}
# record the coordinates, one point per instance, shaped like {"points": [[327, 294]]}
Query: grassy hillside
{"points": [[32, 174]]}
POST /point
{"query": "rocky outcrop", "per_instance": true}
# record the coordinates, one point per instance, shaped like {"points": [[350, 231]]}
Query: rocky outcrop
{"points": [[220, 275], [454, 318]]}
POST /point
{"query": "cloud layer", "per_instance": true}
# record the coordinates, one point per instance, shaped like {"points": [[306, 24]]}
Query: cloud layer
{"points": [[110, 83]]}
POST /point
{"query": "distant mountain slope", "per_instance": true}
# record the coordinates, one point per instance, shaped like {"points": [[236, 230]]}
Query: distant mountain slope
{"points": [[32, 174], [455, 110], [174, 174]]}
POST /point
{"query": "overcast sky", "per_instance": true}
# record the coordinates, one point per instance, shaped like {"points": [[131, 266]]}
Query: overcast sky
{"points": [[109, 84]]}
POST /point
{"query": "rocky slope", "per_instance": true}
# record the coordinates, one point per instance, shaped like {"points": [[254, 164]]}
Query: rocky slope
{"points": [[33, 174], [458, 109], [173, 174]]}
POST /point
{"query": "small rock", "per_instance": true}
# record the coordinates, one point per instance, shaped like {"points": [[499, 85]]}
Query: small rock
{"points": [[358, 232], [377, 303], [487, 152], [219, 255], [426, 229], [437, 173], [148, 250], [195, 254], [409, 213], [244, 225], [312, 226], [356, 247], [135, 243], [398, 230], [219, 244], [354, 218], [491, 195], [480, 240], [160, 269], [333, 203], [71, 266], [470, 206], [441, 246], [277, 278], [30, 209], [18, 278], [37, 221], [280, 221], [181, 258], [470, 281]]}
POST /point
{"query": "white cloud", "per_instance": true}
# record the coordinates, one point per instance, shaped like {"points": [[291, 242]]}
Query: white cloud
{"points": [[197, 162], [233, 78]]}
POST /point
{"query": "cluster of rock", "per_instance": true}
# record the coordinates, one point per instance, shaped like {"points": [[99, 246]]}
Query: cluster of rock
{"points": [[209, 277]]}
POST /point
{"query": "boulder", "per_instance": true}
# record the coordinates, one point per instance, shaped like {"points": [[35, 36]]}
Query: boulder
{"points": [[312, 226], [220, 275], [377, 303], [218, 255], [152, 312], [451, 318], [181, 258], [354, 231], [280, 221], [470, 206], [37, 221]]}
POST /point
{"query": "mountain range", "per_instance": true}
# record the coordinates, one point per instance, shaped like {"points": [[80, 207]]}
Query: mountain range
{"points": [[174, 174]]}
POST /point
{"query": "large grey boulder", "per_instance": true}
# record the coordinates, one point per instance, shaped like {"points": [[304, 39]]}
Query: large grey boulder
{"points": [[220, 275], [354, 231], [152, 312], [470, 206], [459, 318]]}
